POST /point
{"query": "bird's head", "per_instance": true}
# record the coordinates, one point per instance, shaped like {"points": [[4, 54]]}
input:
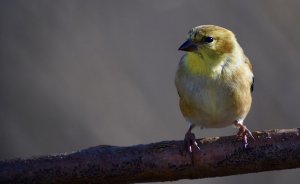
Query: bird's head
{"points": [[210, 42]]}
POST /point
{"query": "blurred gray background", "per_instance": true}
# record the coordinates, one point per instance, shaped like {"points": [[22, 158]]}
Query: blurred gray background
{"points": [[75, 74]]}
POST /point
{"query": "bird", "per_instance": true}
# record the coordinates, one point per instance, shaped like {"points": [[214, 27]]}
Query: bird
{"points": [[214, 81]]}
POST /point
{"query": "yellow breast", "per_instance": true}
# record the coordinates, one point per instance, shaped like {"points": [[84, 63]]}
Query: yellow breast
{"points": [[210, 94]]}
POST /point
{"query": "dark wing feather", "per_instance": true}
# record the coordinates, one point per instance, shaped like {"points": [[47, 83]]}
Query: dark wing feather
{"points": [[252, 85]]}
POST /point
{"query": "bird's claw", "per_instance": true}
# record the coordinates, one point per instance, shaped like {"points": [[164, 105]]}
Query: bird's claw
{"points": [[243, 133], [189, 141]]}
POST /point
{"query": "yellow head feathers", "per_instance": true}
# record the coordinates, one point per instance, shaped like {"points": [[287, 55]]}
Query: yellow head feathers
{"points": [[209, 46], [210, 40]]}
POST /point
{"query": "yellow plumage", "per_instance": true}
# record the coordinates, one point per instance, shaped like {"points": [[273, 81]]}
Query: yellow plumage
{"points": [[214, 79]]}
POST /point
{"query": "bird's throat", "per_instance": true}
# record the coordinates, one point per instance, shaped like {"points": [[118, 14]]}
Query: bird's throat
{"points": [[202, 65]]}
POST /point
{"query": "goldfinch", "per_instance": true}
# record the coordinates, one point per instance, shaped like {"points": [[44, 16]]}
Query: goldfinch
{"points": [[214, 81]]}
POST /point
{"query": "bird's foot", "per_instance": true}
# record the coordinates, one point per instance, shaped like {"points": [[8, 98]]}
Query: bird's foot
{"points": [[243, 133], [190, 141]]}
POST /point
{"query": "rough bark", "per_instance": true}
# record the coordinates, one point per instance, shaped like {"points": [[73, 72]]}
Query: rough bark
{"points": [[163, 161]]}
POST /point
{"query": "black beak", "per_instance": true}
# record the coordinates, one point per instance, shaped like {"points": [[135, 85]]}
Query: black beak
{"points": [[188, 45]]}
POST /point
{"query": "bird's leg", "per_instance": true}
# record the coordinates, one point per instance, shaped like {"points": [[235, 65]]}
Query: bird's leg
{"points": [[190, 140], [243, 132]]}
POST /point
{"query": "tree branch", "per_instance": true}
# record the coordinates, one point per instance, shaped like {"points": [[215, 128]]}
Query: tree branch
{"points": [[163, 161]]}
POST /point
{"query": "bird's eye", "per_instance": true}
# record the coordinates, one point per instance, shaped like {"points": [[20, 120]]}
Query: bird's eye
{"points": [[208, 39]]}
